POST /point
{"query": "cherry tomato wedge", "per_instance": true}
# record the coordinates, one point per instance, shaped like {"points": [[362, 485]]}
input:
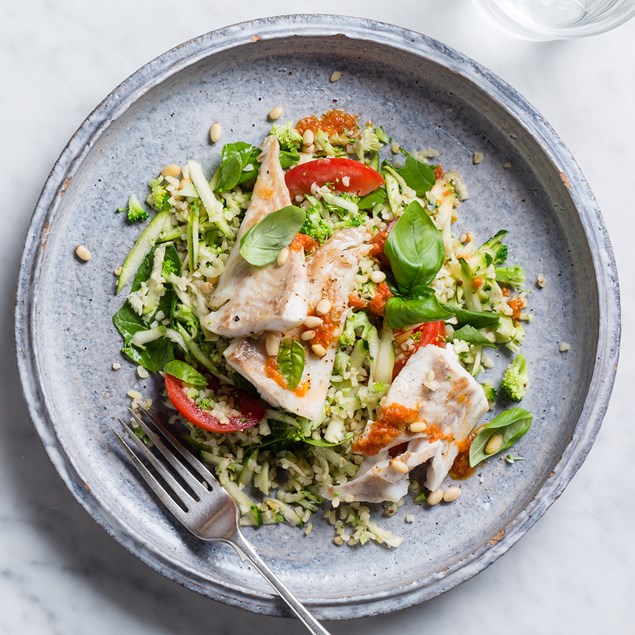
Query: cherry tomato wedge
{"points": [[431, 333], [362, 179], [252, 410]]}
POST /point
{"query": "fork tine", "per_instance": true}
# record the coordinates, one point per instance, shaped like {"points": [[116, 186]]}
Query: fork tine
{"points": [[185, 474], [149, 478], [183, 451]]}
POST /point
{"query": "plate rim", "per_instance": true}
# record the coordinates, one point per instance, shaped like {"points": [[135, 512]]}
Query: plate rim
{"points": [[322, 25]]}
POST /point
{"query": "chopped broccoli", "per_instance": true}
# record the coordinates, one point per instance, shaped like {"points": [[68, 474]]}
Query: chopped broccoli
{"points": [[315, 226], [490, 392], [290, 139], [515, 380], [134, 211], [493, 251], [509, 333], [356, 320], [159, 197], [368, 143], [514, 275]]}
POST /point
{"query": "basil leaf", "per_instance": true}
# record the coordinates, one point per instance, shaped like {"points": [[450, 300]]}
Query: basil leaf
{"points": [[511, 424], [418, 175], [264, 240], [235, 157], [185, 373], [374, 198], [291, 360], [473, 336], [415, 250], [477, 319], [402, 312], [289, 158]]}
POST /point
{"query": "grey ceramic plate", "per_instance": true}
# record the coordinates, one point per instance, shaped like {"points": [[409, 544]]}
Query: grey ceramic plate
{"points": [[426, 95]]}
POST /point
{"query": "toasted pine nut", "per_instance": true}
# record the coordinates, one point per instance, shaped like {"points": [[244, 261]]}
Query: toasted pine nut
{"points": [[394, 148], [282, 256], [335, 76], [377, 276], [494, 444], [308, 137], [82, 253], [418, 426], [272, 345], [435, 497], [275, 113], [313, 321], [399, 466], [171, 170], [318, 350], [215, 132], [323, 307], [451, 494], [142, 372], [307, 335], [116, 366], [309, 149]]}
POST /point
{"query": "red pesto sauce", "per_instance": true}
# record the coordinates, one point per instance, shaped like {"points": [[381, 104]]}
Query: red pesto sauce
{"points": [[461, 469], [393, 419], [378, 304], [302, 241], [332, 122], [273, 372]]}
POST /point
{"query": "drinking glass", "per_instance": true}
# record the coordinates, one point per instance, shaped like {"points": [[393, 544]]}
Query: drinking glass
{"points": [[556, 19]]}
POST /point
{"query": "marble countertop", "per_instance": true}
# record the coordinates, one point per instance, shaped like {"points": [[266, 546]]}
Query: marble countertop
{"points": [[574, 572]]}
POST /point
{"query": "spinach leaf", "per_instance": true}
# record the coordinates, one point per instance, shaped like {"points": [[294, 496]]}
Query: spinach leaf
{"points": [[471, 335], [402, 312], [289, 158], [185, 373], [417, 174], [374, 198], [415, 250], [291, 360], [477, 319], [511, 424], [235, 157], [264, 240]]}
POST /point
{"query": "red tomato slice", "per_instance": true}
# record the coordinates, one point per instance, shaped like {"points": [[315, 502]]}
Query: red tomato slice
{"points": [[362, 179], [252, 409], [431, 333]]}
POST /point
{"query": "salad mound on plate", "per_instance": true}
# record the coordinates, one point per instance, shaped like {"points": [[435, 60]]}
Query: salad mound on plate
{"points": [[320, 329]]}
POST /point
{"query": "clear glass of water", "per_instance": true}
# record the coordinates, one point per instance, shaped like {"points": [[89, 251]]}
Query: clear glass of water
{"points": [[556, 19]]}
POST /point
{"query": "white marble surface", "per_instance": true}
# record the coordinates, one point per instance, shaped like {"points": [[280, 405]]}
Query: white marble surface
{"points": [[60, 573]]}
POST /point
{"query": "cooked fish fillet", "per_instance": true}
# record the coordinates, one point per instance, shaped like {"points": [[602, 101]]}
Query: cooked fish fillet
{"points": [[250, 299], [448, 399], [331, 273]]}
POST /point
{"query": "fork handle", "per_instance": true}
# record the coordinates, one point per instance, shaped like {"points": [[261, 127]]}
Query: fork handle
{"points": [[241, 544]]}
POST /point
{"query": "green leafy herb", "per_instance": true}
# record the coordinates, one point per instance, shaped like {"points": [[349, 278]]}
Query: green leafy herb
{"points": [[477, 319], [262, 242], [289, 158], [185, 373], [511, 424], [291, 362], [415, 250], [238, 166], [402, 312], [369, 201], [471, 335], [417, 174]]}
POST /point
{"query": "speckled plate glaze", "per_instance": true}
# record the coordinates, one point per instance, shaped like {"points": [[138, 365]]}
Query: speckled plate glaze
{"points": [[426, 95]]}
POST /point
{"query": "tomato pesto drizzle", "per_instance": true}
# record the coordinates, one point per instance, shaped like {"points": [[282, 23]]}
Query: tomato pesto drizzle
{"points": [[302, 241], [273, 372], [461, 469], [393, 420]]}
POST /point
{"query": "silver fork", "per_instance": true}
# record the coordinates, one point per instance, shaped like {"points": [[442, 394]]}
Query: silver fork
{"points": [[208, 512]]}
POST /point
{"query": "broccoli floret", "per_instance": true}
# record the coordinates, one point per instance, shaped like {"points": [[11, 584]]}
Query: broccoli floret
{"points": [[490, 392], [368, 143], [515, 275], [315, 226], [515, 380], [356, 320], [134, 211], [290, 139], [159, 197]]}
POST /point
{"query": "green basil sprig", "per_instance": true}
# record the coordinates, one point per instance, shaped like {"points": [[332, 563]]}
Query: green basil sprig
{"points": [[262, 243], [235, 157], [402, 312], [471, 335], [418, 175], [291, 359], [511, 424], [477, 319], [185, 373]]}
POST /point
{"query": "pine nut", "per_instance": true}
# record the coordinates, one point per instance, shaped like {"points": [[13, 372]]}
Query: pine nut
{"points": [[318, 350], [377, 276], [308, 137], [451, 494], [335, 76], [282, 256], [418, 426], [307, 335], [215, 132], [310, 149], [272, 345], [276, 113], [142, 372], [82, 253], [435, 497], [395, 148], [313, 321], [116, 366], [399, 466], [323, 307], [171, 170], [494, 444]]}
